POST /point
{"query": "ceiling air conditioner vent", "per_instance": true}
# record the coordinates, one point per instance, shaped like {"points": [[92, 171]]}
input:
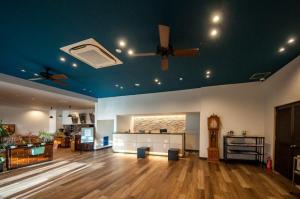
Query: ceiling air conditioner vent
{"points": [[92, 53], [260, 76]]}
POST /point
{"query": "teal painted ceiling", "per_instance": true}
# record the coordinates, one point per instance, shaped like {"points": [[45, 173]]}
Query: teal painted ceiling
{"points": [[251, 32]]}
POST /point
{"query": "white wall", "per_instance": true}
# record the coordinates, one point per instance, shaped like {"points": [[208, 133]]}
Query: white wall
{"points": [[192, 131], [240, 107], [104, 128], [281, 88], [26, 120]]}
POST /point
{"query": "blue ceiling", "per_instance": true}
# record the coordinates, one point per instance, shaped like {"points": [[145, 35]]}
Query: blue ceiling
{"points": [[250, 34]]}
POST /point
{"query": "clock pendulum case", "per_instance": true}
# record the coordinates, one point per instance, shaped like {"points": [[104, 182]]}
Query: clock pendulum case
{"points": [[213, 123]]}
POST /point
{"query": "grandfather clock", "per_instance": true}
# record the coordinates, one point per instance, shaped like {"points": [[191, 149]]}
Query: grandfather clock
{"points": [[213, 123]]}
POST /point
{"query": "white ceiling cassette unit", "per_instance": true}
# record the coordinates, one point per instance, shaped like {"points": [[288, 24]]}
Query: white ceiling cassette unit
{"points": [[92, 53]]}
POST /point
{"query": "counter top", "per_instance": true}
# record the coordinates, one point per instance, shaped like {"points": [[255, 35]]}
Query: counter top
{"points": [[30, 146], [150, 133]]}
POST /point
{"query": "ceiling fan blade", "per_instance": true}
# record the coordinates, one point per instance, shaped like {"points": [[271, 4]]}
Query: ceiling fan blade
{"points": [[58, 76], [143, 54], [164, 63], [164, 34], [36, 79], [59, 82], [186, 52]]}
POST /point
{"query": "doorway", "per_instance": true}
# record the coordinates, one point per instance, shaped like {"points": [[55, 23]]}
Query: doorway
{"points": [[287, 141]]}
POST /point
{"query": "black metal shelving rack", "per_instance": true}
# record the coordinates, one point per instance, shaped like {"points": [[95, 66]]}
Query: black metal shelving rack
{"points": [[246, 146]]}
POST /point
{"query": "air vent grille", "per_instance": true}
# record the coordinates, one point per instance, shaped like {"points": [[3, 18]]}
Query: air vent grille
{"points": [[94, 57], [260, 76], [92, 53]]}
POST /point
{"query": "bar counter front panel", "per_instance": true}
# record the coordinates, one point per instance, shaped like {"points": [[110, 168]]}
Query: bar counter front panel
{"points": [[28, 155], [158, 143]]}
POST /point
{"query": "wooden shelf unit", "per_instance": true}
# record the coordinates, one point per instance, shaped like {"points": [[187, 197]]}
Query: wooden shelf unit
{"points": [[251, 148], [296, 172]]}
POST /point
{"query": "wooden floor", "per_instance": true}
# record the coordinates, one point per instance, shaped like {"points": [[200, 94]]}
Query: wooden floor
{"points": [[103, 174]]}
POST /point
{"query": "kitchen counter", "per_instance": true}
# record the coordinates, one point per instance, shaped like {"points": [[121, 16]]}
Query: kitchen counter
{"points": [[159, 143]]}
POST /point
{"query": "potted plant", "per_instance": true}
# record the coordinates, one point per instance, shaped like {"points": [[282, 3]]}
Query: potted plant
{"points": [[45, 136], [2, 160], [2, 156], [3, 132]]}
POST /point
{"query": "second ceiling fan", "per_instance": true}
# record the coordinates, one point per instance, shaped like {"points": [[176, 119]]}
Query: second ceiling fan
{"points": [[165, 49]]}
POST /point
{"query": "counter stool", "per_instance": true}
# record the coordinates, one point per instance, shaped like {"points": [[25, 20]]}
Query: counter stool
{"points": [[173, 154], [142, 152]]}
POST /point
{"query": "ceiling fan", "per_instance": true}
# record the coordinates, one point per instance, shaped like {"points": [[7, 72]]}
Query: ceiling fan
{"points": [[56, 78], [165, 49]]}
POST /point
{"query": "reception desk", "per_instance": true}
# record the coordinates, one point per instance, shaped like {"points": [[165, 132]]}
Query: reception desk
{"points": [[158, 143]]}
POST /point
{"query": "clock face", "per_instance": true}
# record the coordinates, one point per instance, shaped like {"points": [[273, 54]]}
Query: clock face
{"points": [[213, 122]]}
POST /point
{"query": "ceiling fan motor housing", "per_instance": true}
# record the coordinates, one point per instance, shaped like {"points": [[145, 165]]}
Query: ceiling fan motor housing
{"points": [[165, 51]]}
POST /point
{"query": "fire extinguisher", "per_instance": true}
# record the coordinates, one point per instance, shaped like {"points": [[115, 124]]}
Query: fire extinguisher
{"points": [[269, 163]]}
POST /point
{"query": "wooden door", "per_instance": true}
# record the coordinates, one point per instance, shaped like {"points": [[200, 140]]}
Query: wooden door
{"points": [[287, 143], [283, 141], [296, 130]]}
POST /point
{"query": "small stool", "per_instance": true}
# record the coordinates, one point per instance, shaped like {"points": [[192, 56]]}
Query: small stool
{"points": [[173, 154], [142, 152]]}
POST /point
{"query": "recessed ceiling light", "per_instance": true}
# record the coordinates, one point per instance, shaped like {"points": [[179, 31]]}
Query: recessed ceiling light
{"points": [[291, 40], [23, 70], [214, 32], [118, 50], [62, 59], [208, 72], [159, 83], [122, 43], [216, 18], [156, 80], [130, 52], [207, 76], [281, 50], [117, 85], [74, 65], [137, 84], [35, 74], [121, 87], [180, 78]]}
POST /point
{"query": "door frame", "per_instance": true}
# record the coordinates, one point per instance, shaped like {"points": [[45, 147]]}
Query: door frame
{"points": [[274, 137]]}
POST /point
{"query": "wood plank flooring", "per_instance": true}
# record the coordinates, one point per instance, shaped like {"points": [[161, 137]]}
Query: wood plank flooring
{"points": [[103, 174]]}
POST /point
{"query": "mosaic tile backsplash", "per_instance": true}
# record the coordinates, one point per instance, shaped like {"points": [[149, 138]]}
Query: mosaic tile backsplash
{"points": [[173, 123]]}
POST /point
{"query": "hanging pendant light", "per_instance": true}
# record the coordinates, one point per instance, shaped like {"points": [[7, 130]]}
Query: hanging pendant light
{"points": [[51, 115], [70, 111]]}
